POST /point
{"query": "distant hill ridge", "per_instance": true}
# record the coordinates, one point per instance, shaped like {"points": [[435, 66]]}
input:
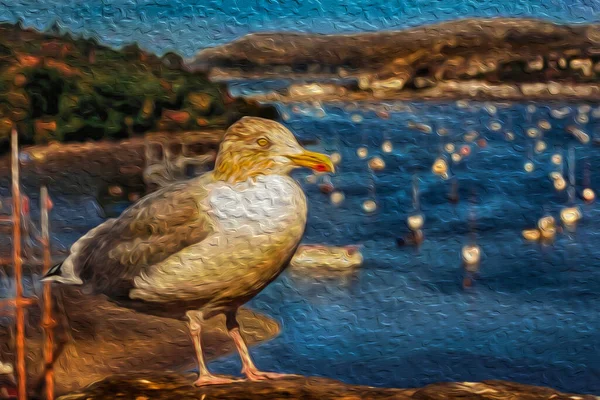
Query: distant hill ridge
{"points": [[494, 50]]}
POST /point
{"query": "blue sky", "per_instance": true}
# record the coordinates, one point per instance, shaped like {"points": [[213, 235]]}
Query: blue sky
{"points": [[187, 26]]}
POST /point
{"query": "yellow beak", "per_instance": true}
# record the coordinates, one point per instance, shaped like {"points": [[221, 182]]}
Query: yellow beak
{"points": [[315, 161]]}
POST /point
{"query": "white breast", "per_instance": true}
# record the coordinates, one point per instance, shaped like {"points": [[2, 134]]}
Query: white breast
{"points": [[265, 205]]}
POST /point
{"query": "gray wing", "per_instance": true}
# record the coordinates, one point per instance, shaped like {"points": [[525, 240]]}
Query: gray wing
{"points": [[158, 226]]}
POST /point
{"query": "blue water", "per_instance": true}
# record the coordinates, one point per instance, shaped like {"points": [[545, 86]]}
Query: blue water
{"points": [[404, 319], [187, 26]]}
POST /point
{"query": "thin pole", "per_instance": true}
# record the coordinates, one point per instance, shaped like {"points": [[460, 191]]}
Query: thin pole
{"points": [[415, 193], [19, 312], [571, 174], [48, 322]]}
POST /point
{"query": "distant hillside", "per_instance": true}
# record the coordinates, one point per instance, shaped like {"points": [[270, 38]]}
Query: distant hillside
{"points": [[484, 50], [55, 87]]}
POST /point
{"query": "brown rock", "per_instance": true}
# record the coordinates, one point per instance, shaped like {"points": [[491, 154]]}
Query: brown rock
{"points": [[167, 386], [98, 339], [175, 387], [492, 390]]}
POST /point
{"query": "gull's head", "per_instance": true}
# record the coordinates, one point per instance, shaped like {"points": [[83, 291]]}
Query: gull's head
{"points": [[256, 146]]}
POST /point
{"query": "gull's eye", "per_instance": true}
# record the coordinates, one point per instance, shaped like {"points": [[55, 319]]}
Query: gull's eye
{"points": [[262, 142]]}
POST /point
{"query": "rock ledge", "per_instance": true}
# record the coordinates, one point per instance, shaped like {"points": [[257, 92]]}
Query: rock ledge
{"points": [[173, 386]]}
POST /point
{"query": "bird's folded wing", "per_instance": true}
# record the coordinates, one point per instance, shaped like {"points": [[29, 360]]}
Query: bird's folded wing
{"points": [[160, 225]]}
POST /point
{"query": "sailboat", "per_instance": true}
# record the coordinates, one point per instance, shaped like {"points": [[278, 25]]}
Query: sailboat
{"points": [[470, 254], [386, 146], [587, 193], [370, 205], [415, 221], [571, 214]]}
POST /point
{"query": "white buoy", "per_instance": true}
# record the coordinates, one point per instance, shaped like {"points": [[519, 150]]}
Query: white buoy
{"points": [[357, 118], [570, 216], [440, 167], [544, 124], [560, 113], [547, 222], [362, 152], [533, 132], [556, 159], [471, 254], [491, 109], [531, 234], [540, 146], [387, 146], [547, 226], [376, 164], [588, 195], [510, 136], [582, 118], [560, 184], [456, 158], [449, 148], [415, 222], [528, 167], [337, 198], [495, 126], [558, 180], [336, 158], [369, 206], [554, 175]]}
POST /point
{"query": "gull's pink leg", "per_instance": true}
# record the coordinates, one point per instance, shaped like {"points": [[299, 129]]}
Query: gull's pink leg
{"points": [[248, 367], [205, 377]]}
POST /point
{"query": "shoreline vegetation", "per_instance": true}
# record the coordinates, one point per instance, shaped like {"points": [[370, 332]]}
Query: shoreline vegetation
{"points": [[485, 59], [54, 87]]}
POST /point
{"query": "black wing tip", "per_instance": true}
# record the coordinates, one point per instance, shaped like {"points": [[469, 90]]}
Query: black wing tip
{"points": [[54, 271]]}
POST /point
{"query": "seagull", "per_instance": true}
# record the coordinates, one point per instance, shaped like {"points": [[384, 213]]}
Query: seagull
{"points": [[205, 246]]}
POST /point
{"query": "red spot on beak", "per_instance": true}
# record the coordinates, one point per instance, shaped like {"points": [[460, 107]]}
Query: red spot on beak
{"points": [[320, 168], [352, 250]]}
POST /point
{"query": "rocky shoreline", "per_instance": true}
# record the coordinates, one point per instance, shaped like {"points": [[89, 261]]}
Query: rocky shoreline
{"points": [[168, 386], [493, 58], [450, 90], [82, 168], [96, 339]]}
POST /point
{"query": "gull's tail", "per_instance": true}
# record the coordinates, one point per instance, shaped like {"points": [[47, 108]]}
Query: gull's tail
{"points": [[63, 275], [54, 271]]}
